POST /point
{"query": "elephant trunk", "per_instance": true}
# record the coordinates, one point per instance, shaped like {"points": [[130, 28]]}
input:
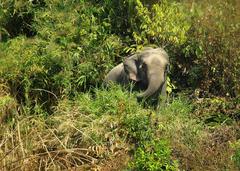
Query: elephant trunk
{"points": [[154, 84]]}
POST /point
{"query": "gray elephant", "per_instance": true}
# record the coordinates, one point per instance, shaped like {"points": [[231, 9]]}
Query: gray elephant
{"points": [[147, 69]]}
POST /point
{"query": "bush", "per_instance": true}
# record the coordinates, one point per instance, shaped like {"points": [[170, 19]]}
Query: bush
{"points": [[133, 121], [63, 57], [236, 158], [236, 154], [138, 126], [112, 101], [8, 108], [210, 55], [33, 70], [184, 128], [17, 17], [54, 55], [153, 156]]}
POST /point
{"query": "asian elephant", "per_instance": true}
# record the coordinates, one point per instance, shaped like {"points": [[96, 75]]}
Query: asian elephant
{"points": [[147, 69]]}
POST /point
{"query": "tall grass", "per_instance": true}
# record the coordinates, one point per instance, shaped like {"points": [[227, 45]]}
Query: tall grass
{"points": [[54, 113]]}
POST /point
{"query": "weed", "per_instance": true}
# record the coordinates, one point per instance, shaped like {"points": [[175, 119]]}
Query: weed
{"points": [[154, 156]]}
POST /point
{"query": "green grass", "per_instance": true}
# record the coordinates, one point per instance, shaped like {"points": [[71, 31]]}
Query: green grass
{"points": [[94, 128], [55, 114]]}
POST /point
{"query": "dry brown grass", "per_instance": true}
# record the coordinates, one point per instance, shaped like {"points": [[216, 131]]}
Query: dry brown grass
{"points": [[69, 140], [74, 138], [195, 144], [212, 151]]}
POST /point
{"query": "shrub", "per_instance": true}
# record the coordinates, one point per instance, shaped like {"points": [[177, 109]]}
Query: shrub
{"points": [[33, 70], [211, 55], [63, 57], [112, 101], [134, 123], [177, 124], [79, 132], [236, 158], [8, 108], [17, 17], [138, 127], [236, 155], [153, 156]]}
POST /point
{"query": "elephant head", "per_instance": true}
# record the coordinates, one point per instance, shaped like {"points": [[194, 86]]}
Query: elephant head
{"points": [[148, 68], [131, 68]]}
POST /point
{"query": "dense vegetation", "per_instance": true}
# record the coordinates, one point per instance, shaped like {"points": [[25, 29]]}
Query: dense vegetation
{"points": [[55, 114]]}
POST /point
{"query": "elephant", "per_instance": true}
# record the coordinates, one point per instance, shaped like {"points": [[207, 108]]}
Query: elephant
{"points": [[147, 70]]}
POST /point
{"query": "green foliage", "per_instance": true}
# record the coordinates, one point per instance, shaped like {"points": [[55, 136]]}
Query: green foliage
{"points": [[135, 124], [113, 101], [84, 35], [236, 156], [6, 100], [165, 23], [33, 69], [180, 106], [196, 35], [154, 156], [7, 108], [138, 126], [54, 54], [65, 56], [212, 47], [16, 17], [177, 123], [90, 39]]}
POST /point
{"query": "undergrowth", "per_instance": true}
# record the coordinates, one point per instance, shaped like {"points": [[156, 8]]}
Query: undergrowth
{"points": [[88, 132], [56, 115]]}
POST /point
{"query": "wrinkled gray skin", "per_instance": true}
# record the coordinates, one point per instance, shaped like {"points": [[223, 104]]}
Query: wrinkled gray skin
{"points": [[148, 69]]}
